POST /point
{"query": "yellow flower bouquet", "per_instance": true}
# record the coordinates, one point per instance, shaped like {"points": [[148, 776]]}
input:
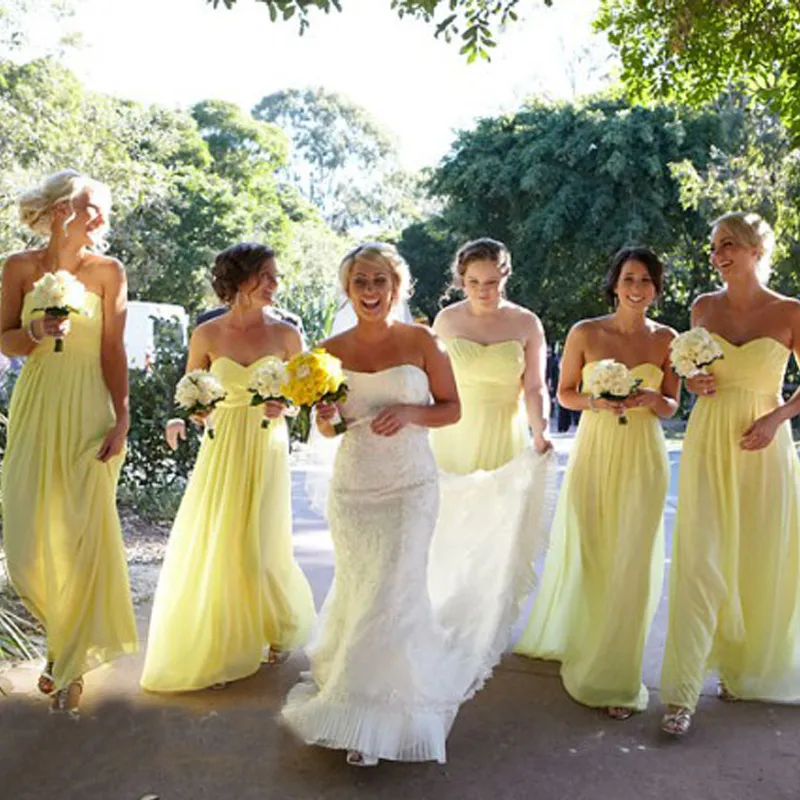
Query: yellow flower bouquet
{"points": [[315, 377]]}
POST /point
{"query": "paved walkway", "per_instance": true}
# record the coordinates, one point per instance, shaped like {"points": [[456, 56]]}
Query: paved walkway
{"points": [[520, 738]]}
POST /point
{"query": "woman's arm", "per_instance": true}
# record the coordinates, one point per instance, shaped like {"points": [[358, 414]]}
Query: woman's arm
{"points": [[113, 358], [763, 430], [572, 362], [534, 381], [14, 339], [446, 407]]}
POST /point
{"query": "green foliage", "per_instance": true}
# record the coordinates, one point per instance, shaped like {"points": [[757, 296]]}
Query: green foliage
{"points": [[474, 22], [150, 466], [429, 247], [185, 185], [567, 185], [342, 162], [691, 52]]}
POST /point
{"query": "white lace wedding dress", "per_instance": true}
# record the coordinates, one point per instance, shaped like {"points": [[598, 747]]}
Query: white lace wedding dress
{"points": [[419, 612]]}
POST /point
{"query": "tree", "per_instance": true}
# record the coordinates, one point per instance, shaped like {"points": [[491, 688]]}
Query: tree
{"points": [[564, 186], [342, 161], [474, 21], [691, 52]]}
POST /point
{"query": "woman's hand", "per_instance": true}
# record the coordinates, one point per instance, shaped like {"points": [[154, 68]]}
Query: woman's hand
{"points": [[200, 417], [326, 412], [643, 398], [114, 441], [175, 432], [761, 433], [617, 407], [541, 444], [57, 327], [274, 409], [392, 419], [702, 384]]}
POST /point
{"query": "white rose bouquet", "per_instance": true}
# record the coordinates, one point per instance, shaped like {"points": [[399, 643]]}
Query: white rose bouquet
{"points": [[610, 380], [59, 294], [692, 351], [199, 391], [267, 382]]}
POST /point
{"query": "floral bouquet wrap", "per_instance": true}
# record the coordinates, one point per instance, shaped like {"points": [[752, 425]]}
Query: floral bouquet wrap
{"points": [[199, 391], [267, 384], [610, 380], [315, 377], [59, 294], [692, 351]]}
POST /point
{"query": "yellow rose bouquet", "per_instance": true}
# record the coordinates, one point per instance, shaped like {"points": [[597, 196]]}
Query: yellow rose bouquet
{"points": [[59, 294], [315, 377]]}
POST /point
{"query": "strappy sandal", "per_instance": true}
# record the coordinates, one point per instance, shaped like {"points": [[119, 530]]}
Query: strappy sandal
{"points": [[355, 758], [67, 700], [725, 694], [46, 683], [619, 712], [677, 723]]}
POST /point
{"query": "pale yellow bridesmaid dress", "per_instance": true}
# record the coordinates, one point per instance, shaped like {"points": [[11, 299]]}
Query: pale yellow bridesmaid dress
{"points": [[735, 580], [493, 428], [61, 530], [603, 574], [230, 587]]}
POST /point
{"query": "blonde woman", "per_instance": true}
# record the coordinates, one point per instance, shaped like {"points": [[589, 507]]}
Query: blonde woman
{"points": [[407, 635], [735, 580], [67, 426]]}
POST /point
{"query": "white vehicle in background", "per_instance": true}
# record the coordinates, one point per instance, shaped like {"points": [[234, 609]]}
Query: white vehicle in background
{"points": [[140, 329]]}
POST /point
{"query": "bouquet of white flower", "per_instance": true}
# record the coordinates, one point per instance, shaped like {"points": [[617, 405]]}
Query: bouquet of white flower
{"points": [[692, 351], [59, 294], [610, 380], [199, 391], [267, 382]]}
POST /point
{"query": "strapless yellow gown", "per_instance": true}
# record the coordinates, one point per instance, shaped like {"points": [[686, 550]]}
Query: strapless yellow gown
{"points": [[61, 530], [735, 580], [230, 586], [493, 428], [603, 575]]}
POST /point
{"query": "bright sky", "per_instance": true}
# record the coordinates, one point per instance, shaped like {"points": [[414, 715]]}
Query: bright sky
{"points": [[176, 52]]}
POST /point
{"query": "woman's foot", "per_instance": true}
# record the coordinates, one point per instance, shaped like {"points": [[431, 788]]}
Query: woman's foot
{"points": [[725, 694], [619, 712], [46, 684], [274, 656], [358, 759], [677, 721], [67, 700]]}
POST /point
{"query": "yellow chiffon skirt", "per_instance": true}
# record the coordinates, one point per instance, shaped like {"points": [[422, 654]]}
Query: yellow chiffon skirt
{"points": [[603, 574], [61, 530], [230, 587], [735, 580]]}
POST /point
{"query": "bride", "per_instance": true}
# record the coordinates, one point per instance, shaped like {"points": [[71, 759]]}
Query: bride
{"points": [[402, 641]]}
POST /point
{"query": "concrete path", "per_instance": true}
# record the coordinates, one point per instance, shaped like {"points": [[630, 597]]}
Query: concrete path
{"points": [[521, 737]]}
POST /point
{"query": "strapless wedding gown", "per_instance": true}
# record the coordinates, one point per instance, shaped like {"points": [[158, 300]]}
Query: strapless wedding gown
{"points": [[429, 576]]}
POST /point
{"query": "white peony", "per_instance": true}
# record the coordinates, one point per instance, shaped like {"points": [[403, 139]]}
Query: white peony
{"points": [[59, 292], [268, 379], [691, 352], [198, 391]]}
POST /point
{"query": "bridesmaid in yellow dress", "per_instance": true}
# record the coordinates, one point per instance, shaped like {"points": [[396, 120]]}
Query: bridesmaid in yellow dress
{"points": [[603, 575], [67, 426], [498, 352], [230, 587], [735, 581]]}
